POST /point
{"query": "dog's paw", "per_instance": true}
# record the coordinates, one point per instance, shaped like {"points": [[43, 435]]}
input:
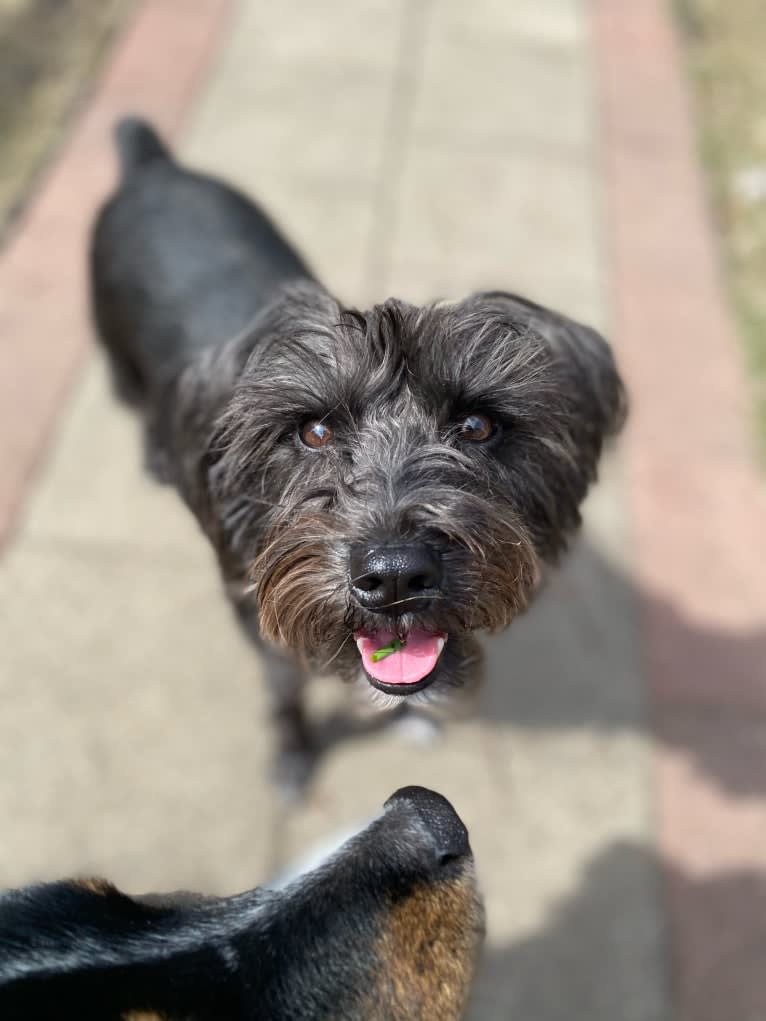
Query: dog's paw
{"points": [[417, 729]]}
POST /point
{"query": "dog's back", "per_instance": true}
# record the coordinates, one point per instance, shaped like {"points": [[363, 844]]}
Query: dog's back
{"points": [[179, 261]]}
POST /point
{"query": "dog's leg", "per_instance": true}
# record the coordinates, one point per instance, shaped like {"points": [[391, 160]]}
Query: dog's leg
{"points": [[296, 751], [127, 381]]}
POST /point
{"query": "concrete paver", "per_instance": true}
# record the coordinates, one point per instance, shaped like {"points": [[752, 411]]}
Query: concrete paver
{"points": [[487, 220], [130, 709], [94, 492], [491, 103], [296, 115]]}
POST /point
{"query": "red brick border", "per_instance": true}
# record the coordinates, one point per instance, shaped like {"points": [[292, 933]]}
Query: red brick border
{"points": [[158, 64], [699, 503], [699, 515]]}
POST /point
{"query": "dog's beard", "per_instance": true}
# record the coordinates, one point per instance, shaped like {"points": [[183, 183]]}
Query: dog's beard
{"points": [[301, 583]]}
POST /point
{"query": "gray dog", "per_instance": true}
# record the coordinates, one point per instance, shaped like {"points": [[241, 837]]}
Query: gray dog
{"points": [[379, 486]]}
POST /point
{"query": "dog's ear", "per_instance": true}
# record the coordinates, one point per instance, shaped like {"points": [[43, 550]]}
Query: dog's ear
{"points": [[579, 358], [554, 385]]}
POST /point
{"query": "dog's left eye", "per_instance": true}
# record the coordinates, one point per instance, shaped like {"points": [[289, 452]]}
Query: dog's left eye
{"points": [[476, 429], [316, 433]]}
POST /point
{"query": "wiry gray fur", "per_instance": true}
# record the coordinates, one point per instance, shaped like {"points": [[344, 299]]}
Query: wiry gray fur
{"points": [[224, 407]]}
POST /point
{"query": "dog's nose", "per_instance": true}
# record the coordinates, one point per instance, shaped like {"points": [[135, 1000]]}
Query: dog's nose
{"points": [[446, 828], [395, 579]]}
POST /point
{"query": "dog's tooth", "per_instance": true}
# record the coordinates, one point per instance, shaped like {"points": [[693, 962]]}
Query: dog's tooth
{"points": [[359, 641], [439, 645]]}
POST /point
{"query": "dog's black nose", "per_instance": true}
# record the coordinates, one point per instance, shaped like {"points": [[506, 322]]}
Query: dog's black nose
{"points": [[440, 819], [395, 579]]}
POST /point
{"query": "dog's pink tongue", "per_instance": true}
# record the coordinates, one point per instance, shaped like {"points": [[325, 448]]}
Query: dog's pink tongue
{"points": [[406, 666]]}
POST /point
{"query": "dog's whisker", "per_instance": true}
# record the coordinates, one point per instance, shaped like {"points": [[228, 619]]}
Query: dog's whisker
{"points": [[435, 597], [337, 653]]}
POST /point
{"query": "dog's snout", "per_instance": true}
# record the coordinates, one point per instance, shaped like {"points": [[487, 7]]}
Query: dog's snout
{"points": [[444, 825], [395, 579]]}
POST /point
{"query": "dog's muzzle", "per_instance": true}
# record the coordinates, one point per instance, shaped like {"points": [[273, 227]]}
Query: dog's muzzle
{"points": [[396, 580]]}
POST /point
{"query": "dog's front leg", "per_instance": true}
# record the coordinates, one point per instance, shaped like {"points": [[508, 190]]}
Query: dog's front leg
{"points": [[295, 751]]}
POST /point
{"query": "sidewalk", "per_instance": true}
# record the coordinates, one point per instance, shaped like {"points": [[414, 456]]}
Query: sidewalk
{"points": [[612, 784]]}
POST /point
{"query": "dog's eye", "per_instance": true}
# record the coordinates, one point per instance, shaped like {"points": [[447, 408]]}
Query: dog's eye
{"points": [[316, 434], [476, 429]]}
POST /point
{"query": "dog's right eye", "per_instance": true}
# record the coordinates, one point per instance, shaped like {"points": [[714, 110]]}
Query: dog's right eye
{"points": [[477, 428], [315, 433]]}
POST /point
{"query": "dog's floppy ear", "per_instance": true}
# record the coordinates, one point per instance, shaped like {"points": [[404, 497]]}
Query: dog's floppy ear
{"points": [[581, 360]]}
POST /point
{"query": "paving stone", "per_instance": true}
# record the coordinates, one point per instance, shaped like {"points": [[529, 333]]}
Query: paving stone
{"points": [[133, 742], [483, 89], [490, 214], [94, 490], [555, 22]]}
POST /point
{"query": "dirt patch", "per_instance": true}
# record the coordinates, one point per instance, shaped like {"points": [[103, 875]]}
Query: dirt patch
{"points": [[50, 52], [725, 44]]}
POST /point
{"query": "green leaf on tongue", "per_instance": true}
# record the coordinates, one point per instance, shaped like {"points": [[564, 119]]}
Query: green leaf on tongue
{"points": [[386, 650]]}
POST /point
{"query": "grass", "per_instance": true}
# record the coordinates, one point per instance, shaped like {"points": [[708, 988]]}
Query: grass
{"points": [[50, 51], [725, 45]]}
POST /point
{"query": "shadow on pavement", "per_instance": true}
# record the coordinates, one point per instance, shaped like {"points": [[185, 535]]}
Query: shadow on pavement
{"points": [[575, 660], [549, 976]]}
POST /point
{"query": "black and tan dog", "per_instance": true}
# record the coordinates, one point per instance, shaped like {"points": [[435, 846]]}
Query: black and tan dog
{"points": [[388, 929], [379, 486]]}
